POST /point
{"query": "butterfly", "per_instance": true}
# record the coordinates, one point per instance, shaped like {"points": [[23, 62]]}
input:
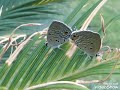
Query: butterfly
{"points": [[88, 41], [58, 34]]}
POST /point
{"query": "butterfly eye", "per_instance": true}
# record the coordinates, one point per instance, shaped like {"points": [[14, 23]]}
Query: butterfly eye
{"points": [[46, 44]]}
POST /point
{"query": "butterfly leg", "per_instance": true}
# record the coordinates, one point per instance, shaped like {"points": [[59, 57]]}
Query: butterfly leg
{"points": [[81, 53], [105, 50], [60, 48], [108, 53], [99, 57]]}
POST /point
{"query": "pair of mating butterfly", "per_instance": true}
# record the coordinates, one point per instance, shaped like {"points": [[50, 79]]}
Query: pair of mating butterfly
{"points": [[59, 33]]}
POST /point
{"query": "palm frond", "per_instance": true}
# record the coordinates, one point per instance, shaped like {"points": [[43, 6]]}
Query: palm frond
{"points": [[37, 64], [30, 11]]}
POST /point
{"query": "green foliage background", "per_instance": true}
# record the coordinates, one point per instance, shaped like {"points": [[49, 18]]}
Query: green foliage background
{"points": [[37, 64]]}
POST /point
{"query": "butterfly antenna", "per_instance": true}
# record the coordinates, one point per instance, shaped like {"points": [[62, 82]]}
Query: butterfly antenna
{"points": [[99, 81], [108, 76], [114, 67], [103, 26]]}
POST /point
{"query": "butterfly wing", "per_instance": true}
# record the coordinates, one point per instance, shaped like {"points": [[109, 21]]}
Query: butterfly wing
{"points": [[58, 33], [88, 41]]}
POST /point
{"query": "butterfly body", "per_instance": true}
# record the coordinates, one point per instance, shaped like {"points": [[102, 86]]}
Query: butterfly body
{"points": [[58, 33], [88, 41]]}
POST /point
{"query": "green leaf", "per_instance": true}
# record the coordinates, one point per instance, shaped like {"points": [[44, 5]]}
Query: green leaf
{"points": [[38, 64], [59, 85], [15, 13]]}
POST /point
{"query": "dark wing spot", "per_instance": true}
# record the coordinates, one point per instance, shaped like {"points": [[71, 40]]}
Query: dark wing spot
{"points": [[74, 35], [69, 35], [57, 40], [91, 48], [91, 43], [49, 34], [65, 33]]}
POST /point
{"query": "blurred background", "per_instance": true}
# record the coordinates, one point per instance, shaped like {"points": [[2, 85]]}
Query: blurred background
{"points": [[17, 12]]}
